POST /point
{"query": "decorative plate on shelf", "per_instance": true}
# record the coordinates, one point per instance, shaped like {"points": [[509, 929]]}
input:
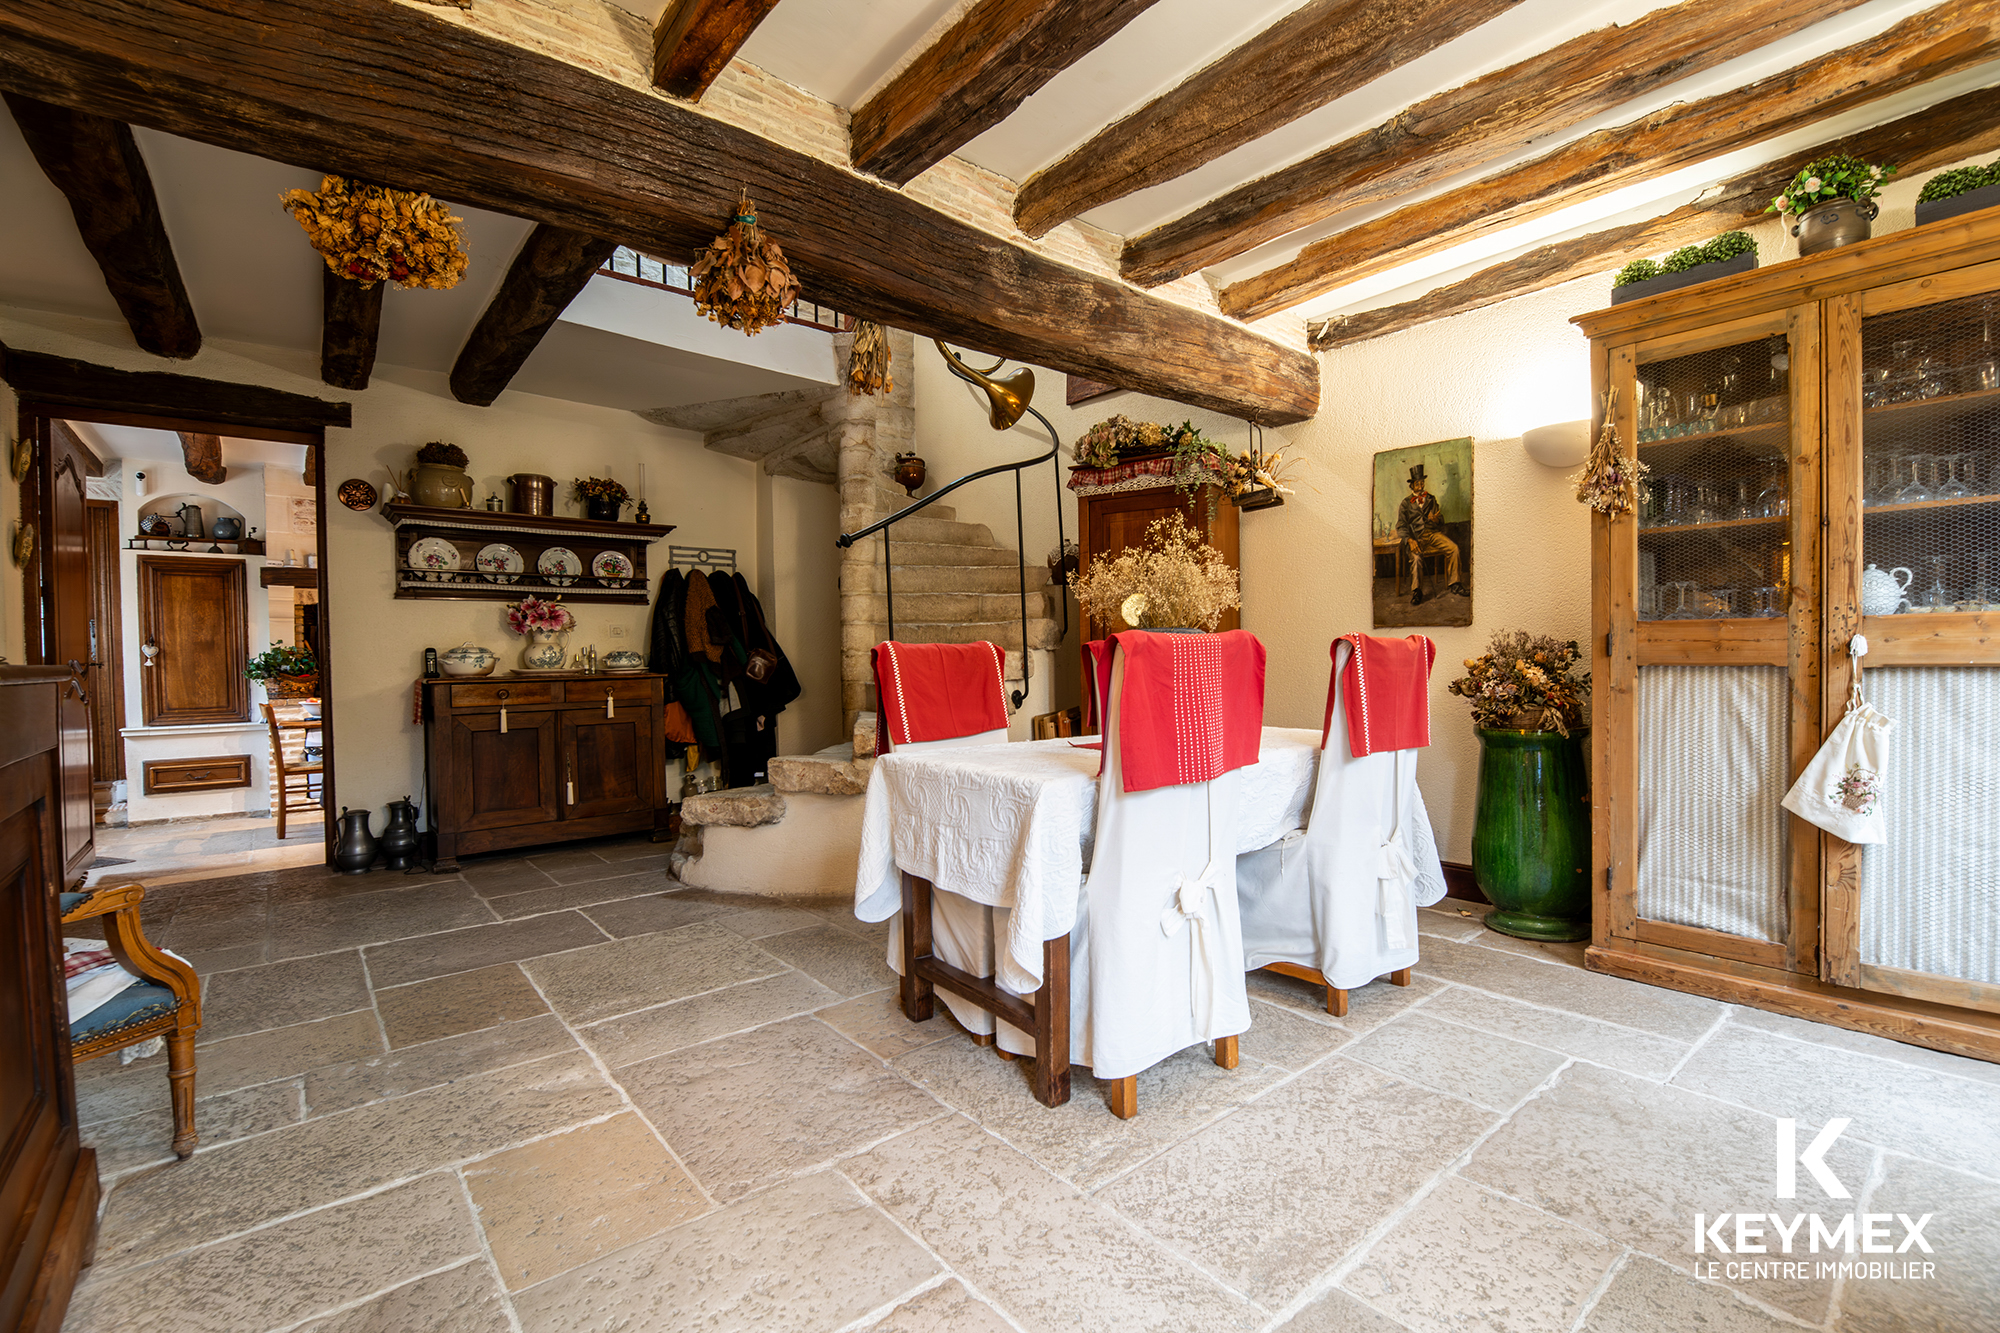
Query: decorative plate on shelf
{"points": [[499, 562], [356, 494], [612, 569], [559, 566], [434, 557]]}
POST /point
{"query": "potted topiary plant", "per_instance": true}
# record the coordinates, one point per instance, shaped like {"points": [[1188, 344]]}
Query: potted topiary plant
{"points": [[285, 672], [1832, 201], [1960, 190], [1531, 823], [1731, 252]]}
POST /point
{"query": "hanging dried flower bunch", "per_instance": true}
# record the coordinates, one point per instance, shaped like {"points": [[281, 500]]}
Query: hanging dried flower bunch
{"points": [[372, 234], [1611, 482], [868, 362], [741, 281]]}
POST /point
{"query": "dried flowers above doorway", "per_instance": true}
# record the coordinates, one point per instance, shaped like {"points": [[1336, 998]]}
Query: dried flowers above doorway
{"points": [[370, 233]]}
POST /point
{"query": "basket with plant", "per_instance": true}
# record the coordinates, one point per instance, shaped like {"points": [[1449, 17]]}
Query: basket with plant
{"points": [[1174, 580], [285, 672]]}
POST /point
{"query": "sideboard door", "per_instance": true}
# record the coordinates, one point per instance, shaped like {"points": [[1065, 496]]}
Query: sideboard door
{"points": [[607, 762], [502, 778]]}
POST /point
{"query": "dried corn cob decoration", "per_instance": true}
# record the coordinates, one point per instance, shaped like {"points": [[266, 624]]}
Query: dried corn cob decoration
{"points": [[741, 281], [868, 361]]}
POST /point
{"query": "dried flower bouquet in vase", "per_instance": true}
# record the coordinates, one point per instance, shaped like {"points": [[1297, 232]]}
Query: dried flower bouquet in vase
{"points": [[1174, 581]]}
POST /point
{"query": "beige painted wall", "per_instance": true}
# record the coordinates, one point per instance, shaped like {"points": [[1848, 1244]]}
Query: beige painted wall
{"points": [[376, 641]]}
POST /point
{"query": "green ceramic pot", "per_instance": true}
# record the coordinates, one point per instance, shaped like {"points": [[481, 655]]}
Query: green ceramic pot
{"points": [[1531, 834]]}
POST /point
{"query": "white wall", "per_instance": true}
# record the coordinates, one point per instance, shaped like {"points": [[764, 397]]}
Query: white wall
{"points": [[376, 641]]}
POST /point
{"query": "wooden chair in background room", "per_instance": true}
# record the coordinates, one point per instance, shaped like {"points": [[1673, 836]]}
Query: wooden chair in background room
{"points": [[285, 771], [138, 993]]}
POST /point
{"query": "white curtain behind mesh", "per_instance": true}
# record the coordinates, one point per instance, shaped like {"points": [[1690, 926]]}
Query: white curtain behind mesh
{"points": [[1930, 896], [1712, 769]]}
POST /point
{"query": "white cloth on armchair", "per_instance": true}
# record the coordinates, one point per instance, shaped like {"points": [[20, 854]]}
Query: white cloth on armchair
{"points": [[1154, 948], [1342, 895]]}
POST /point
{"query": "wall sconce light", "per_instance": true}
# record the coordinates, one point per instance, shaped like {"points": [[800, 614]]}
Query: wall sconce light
{"points": [[1565, 444]]}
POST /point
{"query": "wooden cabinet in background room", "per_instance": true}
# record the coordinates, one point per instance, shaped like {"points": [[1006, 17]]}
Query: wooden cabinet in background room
{"points": [[1111, 521], [1824, 444], [193, 615], [521, 761]]}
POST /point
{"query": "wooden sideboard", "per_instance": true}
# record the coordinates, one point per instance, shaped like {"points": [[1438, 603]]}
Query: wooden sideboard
{"points": [[522, 760], [48, 1192]]}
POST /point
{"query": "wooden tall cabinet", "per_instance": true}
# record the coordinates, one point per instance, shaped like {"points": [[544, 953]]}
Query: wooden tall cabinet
{"points": [[517, 761], [1824, 443]]}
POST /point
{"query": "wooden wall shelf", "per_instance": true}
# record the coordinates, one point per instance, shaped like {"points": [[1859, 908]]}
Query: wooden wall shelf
{"points": [[287, 576], [470, 530]]}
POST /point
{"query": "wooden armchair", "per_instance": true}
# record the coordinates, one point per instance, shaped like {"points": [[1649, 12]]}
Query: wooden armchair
{"points": [[164, 998], [294, 782]]}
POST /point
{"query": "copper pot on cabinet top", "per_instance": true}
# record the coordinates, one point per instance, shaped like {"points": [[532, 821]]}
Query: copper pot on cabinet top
{"points": [[533, 494]]}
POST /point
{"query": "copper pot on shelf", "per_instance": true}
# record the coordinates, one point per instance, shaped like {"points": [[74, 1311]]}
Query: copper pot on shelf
{"points": [[533, 494]]}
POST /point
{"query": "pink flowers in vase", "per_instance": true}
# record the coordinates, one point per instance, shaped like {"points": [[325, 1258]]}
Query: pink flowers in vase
{"points": [[533, 614]]}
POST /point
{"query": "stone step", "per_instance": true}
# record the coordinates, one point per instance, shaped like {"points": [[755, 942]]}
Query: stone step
{"points": [[942, 579], [941, 606], [890, 500], [1042, 633], [926, 528], [832, 772], [739, 807], [864, 735], [944, 553]]}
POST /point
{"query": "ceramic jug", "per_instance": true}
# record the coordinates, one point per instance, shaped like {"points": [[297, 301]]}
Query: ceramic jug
{"points": [[355, 851], [1882, 591], [399, 839]]}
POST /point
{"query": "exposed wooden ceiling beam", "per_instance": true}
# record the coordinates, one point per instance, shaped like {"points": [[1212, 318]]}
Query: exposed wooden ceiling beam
{"points": [[1966, 126], [552, 267], [201, 455], [95, 162], [388, 92], [973, 77], [141, 397], [1317, 53], [1926, 46], [350, 327], [695, 39], [1465, 128]]}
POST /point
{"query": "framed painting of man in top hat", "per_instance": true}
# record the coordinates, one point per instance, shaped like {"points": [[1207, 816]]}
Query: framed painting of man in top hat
{"points": [[1423, 535]]}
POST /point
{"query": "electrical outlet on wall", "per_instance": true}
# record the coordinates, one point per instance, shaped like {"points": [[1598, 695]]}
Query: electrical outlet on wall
{"points": [[617, 631]]}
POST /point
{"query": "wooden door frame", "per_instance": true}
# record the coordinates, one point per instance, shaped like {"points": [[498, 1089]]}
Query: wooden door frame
{"points": [[52, 388], [107, 606]]}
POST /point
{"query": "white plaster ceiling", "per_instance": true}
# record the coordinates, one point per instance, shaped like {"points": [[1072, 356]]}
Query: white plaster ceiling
{"points": [[148, 445]]}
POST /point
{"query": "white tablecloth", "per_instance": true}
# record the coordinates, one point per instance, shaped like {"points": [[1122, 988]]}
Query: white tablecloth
{"points": [[1009, 826]]}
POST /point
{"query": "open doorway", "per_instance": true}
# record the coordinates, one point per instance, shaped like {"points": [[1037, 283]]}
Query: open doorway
{"points": [[187, 586]]}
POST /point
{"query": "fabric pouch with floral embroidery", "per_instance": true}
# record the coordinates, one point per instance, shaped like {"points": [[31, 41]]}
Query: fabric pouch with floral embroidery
{"points": [[1841, 789]]}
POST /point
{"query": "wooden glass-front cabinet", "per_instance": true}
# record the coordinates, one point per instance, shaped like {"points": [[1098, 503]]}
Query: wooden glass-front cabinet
{"points": [[1824, 443]]}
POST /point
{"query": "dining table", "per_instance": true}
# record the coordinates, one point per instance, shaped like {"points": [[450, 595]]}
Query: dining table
{"points": [[1010, 826]]}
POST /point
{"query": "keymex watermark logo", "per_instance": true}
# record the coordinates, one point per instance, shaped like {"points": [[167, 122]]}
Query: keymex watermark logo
{"points": [[1805, 1235]]}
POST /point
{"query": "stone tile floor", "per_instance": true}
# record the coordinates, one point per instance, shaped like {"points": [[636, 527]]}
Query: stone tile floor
{"points": [[179, 850], [558, 1093]]}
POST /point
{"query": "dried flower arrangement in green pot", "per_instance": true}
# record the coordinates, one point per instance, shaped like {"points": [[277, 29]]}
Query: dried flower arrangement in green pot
{"points": [[1531, 822]]}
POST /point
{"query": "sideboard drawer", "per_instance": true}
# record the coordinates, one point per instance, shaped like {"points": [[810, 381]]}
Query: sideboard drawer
{"points": [[594, 691], [515, 694], [166, 776]]}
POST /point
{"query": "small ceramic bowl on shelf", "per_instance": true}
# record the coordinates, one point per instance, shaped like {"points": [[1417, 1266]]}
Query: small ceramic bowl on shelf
{"points": [[623, 660], [468, 659]]}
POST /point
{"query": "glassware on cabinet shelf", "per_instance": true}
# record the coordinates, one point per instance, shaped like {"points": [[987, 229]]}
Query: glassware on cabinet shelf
{"points": [[1951, 485], [1900, 385], [1649, 601], [1683, 597], [1874, 386], [1914, 491], [1764, 603], [1981, 591], [1747, 505], [1979, 358], [1932, 376], [1721, 603], [1935, 595], [1673, 501], [1773, 499]]}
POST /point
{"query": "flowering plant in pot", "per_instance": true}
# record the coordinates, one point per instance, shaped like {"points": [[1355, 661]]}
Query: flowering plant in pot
{"points": [[602, 497], [285, 672], [1174, 581], [542, 621], [1832, 201], [1531, 827]]}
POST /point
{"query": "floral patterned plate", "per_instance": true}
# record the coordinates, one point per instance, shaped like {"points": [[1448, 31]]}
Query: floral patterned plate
{"points": [[434, 557], [559, 566], [499, 562], [612, 569]]}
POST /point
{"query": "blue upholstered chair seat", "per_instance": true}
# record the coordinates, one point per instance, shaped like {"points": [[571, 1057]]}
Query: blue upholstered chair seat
{"points": [[72, 901], [138, 1002]]}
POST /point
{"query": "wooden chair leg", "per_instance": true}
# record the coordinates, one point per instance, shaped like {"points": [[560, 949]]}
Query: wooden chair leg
{"points": [[1400, 977], [981, 1038], [180, 1078], [1052, 1025], [1226, 1053], [1125, 1096], [281, 805], [1336, 1002], [918, 1003], [1002, 1051]]}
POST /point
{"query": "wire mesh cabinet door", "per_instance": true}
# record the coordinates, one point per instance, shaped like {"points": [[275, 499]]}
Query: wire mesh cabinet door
{"points": [[1913, 564], [1708, 693]]}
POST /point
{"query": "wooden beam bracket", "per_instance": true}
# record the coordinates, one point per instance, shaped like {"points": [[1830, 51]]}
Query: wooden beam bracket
{"points": [[553, 266]]}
